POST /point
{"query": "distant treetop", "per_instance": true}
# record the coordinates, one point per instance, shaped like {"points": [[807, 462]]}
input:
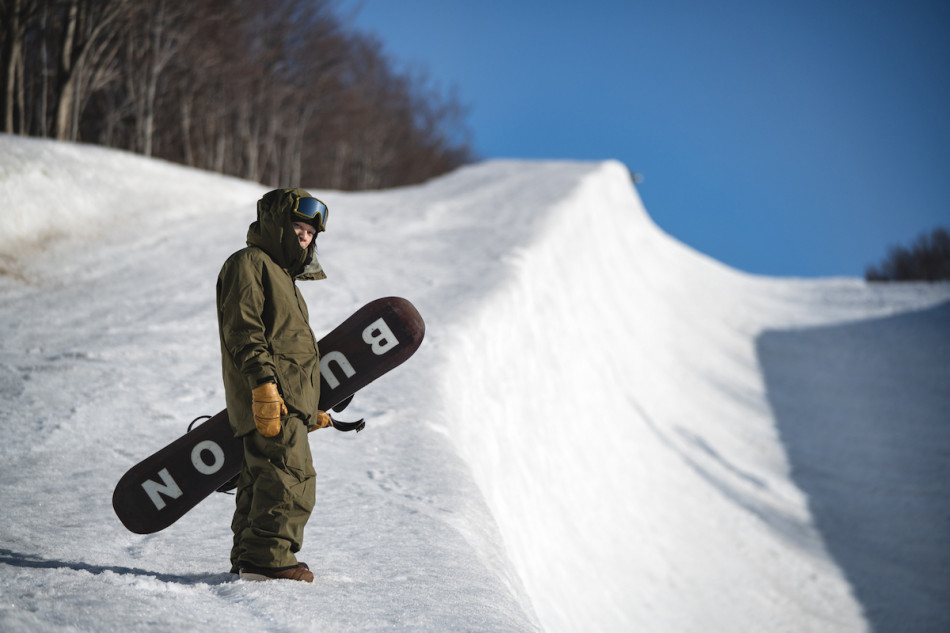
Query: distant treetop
{"points": [[927, 259]]}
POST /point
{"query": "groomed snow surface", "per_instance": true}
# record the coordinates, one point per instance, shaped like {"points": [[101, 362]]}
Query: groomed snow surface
{"points": [[603, 430]]}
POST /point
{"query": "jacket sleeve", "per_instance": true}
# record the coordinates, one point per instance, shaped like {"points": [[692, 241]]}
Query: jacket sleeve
{"points": [[240, 297]]}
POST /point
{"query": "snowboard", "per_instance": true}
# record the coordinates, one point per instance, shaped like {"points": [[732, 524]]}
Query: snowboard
{"points": [[160, 489]]}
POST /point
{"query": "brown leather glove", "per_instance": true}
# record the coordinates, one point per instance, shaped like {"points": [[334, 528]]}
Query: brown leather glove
{"points": [[323, 421], [267, 406]]}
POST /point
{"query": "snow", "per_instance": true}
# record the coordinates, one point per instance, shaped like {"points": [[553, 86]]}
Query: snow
{"points": [[604, 430]]}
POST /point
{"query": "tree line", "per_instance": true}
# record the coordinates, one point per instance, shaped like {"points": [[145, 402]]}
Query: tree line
{"points": [[927, 259], [279, 92]]}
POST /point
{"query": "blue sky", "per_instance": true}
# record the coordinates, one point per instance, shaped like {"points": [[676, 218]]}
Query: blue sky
{"points": [[798, 138]]}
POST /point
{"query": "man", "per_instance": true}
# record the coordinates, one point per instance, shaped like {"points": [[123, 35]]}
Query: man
{"points": [[271, 368]]}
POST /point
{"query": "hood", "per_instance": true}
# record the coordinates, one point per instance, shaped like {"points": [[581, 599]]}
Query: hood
{"points": [[273, 232]]}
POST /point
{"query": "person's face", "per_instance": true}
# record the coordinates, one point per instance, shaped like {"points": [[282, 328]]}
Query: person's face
{"points": [[305, 233]]}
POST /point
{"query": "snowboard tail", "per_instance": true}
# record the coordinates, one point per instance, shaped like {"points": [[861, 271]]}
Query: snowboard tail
{"points": [[163, 487]]}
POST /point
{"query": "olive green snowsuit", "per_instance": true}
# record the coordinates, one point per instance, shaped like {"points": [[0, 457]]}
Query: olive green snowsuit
{"points": [[265, 336]]}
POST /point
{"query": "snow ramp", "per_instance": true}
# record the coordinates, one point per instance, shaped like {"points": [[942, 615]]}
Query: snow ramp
{"points": [[677, 446], [603, 431]]}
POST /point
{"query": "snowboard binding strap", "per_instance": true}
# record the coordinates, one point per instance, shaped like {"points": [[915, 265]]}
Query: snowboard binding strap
{"points": [[357, 426]]}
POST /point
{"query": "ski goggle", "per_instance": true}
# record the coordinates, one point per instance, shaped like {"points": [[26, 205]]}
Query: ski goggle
{"points": [[313, 211]]}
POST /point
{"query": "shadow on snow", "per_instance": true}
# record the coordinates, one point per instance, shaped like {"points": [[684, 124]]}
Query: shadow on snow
{"points": [[16, 559], [863, 410]]}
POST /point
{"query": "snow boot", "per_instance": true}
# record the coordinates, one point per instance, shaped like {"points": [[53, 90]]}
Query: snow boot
{"points": [[300, 572]]}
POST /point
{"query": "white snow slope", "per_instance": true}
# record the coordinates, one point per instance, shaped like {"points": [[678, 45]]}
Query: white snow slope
{"points": [[603, 431]]}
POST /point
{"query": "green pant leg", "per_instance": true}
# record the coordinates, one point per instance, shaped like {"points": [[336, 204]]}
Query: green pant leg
{"points": [[242, 507], [275, 497]]}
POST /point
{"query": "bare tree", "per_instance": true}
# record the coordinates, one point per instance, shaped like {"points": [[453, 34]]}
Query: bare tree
{"points": [[87, 36], [153, 37], [15, 16]]}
